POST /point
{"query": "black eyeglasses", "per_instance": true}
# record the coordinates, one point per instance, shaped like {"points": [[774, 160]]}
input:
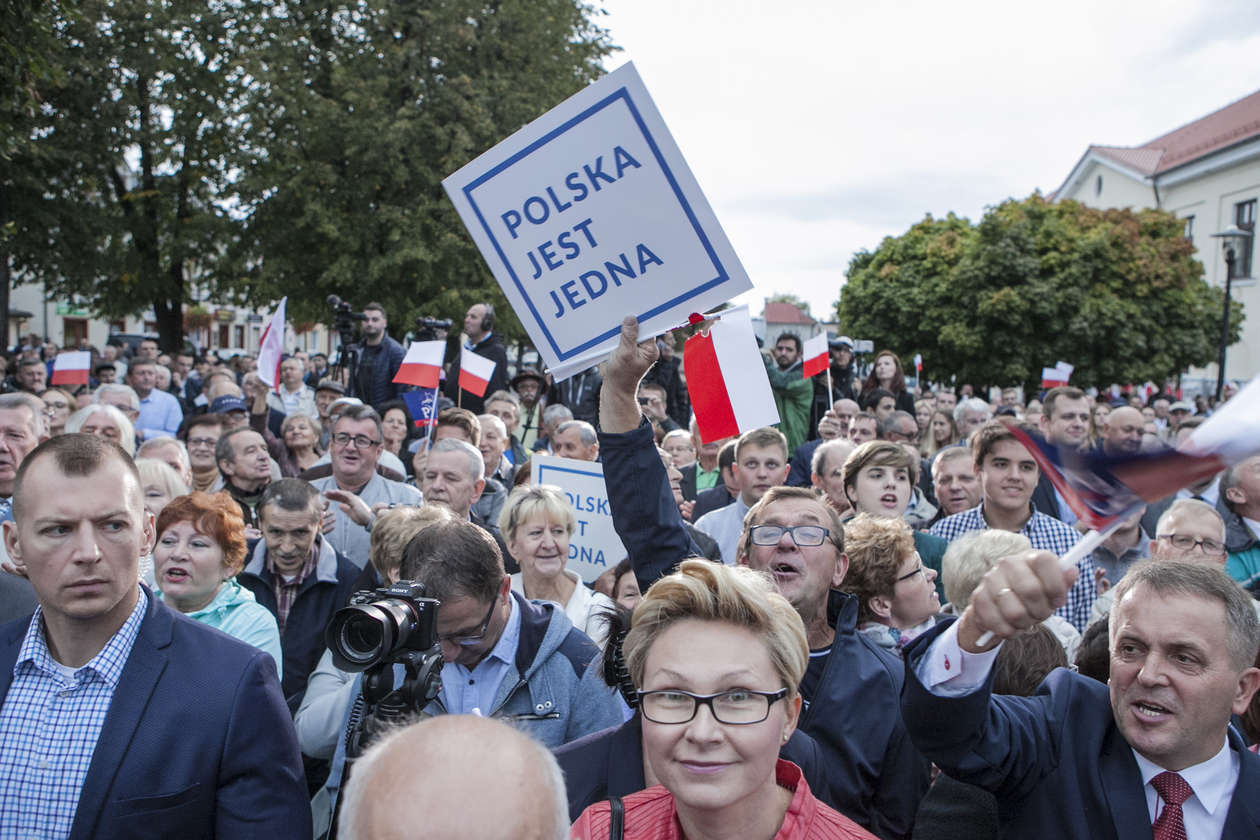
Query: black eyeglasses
{"points": [[918, 571], [802, 535], [1188, 543], [738, 707], [359, 441], [471, 639]]}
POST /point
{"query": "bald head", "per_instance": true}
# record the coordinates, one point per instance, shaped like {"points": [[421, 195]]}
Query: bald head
{"points": [[418, 780], [1123, 435]]}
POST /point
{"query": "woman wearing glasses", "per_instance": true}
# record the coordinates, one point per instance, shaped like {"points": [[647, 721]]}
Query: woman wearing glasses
{"points": [[58, 405], [717, 655], [896, 593]]}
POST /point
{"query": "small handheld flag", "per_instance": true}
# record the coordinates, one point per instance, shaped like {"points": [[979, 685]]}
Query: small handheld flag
{"points": [[817, 357], [475, 372], [726, 379], [71, 368], [422, 366]]}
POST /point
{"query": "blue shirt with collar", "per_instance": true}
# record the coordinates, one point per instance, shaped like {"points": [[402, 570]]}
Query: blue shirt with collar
{"points": [[49, 727], [465, 690]]}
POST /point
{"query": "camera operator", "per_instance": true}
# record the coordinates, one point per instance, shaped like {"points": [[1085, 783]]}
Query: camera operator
{"points": [[379, 359], [504, 656], [482, 340]]}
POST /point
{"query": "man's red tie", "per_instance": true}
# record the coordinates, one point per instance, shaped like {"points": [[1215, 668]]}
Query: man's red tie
{"points": [[1173, 790]]}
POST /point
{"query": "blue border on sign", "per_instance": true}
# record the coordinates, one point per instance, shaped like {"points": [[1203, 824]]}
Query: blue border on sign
{"points": [[542, 467], [622, 95]]}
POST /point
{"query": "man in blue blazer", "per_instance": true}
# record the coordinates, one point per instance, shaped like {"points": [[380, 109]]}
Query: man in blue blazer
{"points": [[1155, 758], [122, 719]]}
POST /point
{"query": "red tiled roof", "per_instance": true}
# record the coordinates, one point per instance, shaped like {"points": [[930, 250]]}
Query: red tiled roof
{"points": [[778, 312], [1234, 123]]}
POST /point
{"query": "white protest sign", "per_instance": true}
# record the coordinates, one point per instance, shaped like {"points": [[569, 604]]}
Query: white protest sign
{"points": [[590, 213], [594, 547]]}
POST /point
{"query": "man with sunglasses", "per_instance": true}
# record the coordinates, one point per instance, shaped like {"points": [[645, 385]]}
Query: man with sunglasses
{"points": [[873, 773]]}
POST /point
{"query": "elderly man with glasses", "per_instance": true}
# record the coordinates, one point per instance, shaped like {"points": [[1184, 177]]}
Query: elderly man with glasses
{"points": [[1190, 531], [355, 487]]}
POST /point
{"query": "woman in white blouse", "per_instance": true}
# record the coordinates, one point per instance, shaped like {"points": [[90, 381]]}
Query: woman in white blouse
{"points": [[536, 524]]}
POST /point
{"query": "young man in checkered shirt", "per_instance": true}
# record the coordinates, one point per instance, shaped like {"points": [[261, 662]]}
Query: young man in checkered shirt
{"points": [[1008, 476]]}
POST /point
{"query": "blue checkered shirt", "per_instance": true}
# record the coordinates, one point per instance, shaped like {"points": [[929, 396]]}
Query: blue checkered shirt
{"points": [[1046, 534], [49, 728]]}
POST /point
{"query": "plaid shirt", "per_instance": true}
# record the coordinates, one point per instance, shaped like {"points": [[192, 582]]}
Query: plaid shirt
{"points": [[49, 727], [1046, 534], [287, 590]]}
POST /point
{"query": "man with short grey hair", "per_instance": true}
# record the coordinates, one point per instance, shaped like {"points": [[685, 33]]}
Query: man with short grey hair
{"points": [[576, 439], [474, 753], [969, 415], [21, 430], [170, 451], [122, 397]]}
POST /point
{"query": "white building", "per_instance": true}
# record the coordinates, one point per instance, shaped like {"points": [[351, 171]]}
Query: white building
{"points": [[1206, 172]]}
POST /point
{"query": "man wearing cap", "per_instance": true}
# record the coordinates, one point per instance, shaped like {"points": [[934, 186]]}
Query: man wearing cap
{"points": [[484, 341], [1178, 412], [528, 385]]}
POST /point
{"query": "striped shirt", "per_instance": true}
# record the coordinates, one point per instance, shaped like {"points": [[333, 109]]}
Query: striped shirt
{"points": [[1046, 534], [49, 725]]}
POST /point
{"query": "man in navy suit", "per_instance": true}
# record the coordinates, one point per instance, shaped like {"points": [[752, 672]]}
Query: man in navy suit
{"points": [[121, 718], [1158, 758]]}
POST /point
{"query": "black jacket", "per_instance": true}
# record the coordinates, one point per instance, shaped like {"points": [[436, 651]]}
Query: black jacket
{"points": [[374, 378], [321, 595], [491, 347]]}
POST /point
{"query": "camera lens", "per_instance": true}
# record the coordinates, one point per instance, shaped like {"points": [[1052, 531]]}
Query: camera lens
{"points": [[362, 638]]}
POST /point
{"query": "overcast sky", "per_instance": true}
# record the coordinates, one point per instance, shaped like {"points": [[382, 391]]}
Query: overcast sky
{"points": [[818, 128]]}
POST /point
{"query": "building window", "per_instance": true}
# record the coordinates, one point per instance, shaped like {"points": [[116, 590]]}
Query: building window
{"points": [[1245, 219], [1188, 232], [239, 333], [1098, 185]]}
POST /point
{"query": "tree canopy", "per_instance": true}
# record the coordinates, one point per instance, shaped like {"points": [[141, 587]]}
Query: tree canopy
{"points": [[265, 149], [1116, 293]]}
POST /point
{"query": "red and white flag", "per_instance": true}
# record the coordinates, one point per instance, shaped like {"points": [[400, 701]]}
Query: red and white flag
{"points": [[726, 378], [422, 366], [71, 368], [271, 348], [475, 372], [817, 357], [918, 364], [1057, 375]]}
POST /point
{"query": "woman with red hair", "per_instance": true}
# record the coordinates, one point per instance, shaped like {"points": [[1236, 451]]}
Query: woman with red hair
{"points": [[200, 548]]}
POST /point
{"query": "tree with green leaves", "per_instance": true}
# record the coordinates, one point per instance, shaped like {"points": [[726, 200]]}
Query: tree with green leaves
{"points": [[356, 114], [118, 194], [1116, 293]]}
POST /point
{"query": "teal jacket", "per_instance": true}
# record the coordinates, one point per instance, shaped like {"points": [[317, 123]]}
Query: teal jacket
{"points": [[235, 612]]}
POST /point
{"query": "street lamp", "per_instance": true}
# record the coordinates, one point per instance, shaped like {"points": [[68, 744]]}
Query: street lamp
{"points": [[1233, 240]]}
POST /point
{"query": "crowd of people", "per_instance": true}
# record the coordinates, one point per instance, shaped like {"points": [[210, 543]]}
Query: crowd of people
{"points": [[851, 624]]}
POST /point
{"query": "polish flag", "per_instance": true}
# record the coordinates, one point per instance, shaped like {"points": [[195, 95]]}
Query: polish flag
{"points": [[71, 368], [422, 366], [726, 378], [816, 355], [918, 364], [1057, 375], [271, 348], [475, 372]]}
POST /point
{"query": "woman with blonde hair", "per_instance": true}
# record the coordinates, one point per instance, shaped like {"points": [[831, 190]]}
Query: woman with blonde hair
{"points": [[717, 656], [536, 523]]}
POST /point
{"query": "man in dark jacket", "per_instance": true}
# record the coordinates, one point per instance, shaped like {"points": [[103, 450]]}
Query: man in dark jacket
{"points": [[297, 574], [379, 359], [874, 774], [482, 340]]}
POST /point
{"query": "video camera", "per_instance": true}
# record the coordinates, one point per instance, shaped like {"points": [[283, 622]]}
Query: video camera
{"points": [[431, 329], [394, 625]]}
